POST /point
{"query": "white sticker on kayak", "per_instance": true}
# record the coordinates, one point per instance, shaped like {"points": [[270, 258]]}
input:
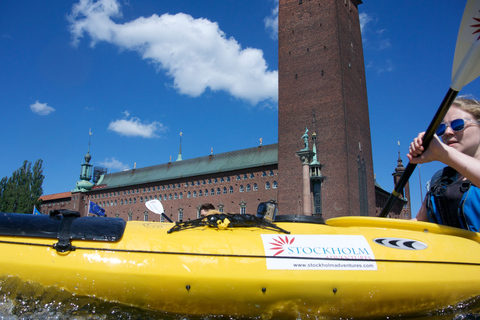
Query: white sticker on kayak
{"points": [[318, 252]]}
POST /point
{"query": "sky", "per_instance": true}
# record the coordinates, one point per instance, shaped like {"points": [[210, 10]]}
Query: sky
{"points": [[142, 75]]}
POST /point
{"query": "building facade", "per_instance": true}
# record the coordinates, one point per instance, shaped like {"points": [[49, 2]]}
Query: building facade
{"points": [[234, 182]]}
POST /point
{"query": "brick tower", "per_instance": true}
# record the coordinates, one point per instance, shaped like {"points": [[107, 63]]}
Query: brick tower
{"points": [[321, 72]]}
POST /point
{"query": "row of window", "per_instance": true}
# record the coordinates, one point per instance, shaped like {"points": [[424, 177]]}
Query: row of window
{"points": [[180, 213], [54, 203], [190, 194], [178, 185]]}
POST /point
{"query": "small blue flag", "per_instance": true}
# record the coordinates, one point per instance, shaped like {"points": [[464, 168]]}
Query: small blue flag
{"points": [[35, 211], [94, 208]]}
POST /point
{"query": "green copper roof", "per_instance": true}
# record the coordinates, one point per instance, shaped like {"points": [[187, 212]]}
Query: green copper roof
{"points": [[223, 162]]}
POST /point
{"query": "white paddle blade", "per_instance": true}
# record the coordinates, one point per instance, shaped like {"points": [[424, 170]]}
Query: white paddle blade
{"points": [[154, 206], [466, 63]]}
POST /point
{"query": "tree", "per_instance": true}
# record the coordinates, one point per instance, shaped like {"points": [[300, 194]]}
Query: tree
{"points": [[22, 190]]}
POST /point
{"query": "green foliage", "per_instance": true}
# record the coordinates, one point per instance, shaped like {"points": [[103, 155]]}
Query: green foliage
{"points": [[22, 190]]}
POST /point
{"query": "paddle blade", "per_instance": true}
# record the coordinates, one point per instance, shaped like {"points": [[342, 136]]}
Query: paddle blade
{"points": [[154, 206], [466, 63]]}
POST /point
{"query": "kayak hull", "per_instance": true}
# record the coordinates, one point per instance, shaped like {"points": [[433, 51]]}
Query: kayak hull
{"points": [[210, 271]]}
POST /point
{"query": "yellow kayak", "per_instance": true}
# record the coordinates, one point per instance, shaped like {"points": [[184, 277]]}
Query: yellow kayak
{"points": [[244, 267]]}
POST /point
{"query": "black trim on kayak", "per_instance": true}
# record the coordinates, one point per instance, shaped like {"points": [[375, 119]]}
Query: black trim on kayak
{"points": [[241, 255], [63, 225], [299, 218]]}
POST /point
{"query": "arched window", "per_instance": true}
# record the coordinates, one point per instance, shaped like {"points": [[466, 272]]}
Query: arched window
{"points": [[212, 192], [249, 188], [275, 185], [189, 194], [169, 196], [219, 191], [180, 196], [194, 194], [267, 185], [175, 196], [255, 187], [206, 192], [241, 188], [200, 193], [224, 190], [230, 190]]}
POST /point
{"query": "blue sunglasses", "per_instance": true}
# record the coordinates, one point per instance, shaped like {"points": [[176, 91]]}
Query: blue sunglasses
{"points": [[456, 125]]}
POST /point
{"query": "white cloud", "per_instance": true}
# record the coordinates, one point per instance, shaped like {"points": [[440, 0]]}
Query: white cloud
{"points": [[384, 44], [375, 42], [271, 22], [364, 20], [41, 108], [194, 52], [133, 127], [114, 164], [381, 67]]}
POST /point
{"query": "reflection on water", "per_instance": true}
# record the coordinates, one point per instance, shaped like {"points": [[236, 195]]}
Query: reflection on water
{"points": [[27, 301]]}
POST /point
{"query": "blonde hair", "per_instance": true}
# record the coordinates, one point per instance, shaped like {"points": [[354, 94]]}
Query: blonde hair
{"points": [[469, 104]]}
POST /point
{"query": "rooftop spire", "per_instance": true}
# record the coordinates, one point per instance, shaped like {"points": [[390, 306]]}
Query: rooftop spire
{"points": [[88, 157], [86, 171], [179, 158], [314, 140], [400, 166]]}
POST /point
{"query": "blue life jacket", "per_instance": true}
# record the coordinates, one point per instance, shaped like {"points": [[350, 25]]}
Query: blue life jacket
{"points": [[453, 202]]}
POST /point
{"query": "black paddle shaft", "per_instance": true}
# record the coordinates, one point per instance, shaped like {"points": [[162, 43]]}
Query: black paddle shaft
{"points": [[427, 138]]}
